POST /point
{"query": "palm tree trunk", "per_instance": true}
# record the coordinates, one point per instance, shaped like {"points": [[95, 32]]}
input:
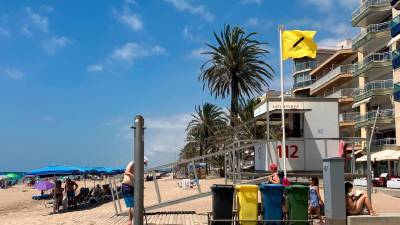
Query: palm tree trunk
{"points": [[234, 100]]}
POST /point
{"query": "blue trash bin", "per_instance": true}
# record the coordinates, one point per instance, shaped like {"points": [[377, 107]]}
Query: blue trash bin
{"points": [[272, 195]]}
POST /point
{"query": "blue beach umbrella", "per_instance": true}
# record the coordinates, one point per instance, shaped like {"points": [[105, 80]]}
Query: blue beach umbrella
{"points": [[55, 171]]}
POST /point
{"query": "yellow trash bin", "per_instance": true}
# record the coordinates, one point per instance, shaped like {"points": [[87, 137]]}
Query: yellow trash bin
{"points": [[247, 203]]}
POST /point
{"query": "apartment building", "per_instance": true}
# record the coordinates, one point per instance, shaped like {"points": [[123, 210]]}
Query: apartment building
{"points": [[364, 75]]}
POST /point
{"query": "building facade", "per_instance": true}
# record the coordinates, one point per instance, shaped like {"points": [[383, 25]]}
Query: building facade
{"points": [[364, 74]]}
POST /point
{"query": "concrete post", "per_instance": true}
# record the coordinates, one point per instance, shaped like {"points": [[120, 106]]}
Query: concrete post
{"points": [[335, 206], [139, 170]]}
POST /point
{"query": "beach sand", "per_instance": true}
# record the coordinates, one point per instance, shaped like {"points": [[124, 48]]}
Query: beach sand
{"points": [[17, 207]]}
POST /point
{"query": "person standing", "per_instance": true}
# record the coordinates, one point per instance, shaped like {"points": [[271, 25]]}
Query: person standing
{"points": [[70, 188], [58, 196], [128, 190]]}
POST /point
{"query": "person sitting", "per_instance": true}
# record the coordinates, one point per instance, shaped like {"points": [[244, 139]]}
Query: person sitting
{"points": [[315, 201], [355, 203], [70, 188], [97, 191], [58, 196], [274, 178]]}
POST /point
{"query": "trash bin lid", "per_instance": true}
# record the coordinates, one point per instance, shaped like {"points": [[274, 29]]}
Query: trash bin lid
{"points": [[265, 186], [246, 186], [221, 186]]}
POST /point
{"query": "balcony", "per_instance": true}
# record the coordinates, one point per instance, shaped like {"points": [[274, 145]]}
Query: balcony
{"points": [[301, 67], [374, 88], [371, 12], [376, 64], [384, 142], [303, 84], [385, 116], [347, 119], [340, 73], [345, 95], [376, 36]]}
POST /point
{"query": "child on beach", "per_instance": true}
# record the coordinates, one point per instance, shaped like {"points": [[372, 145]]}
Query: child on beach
{"points": [[315, 201]]}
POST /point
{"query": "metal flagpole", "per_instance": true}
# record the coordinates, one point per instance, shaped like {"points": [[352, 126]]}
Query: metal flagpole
{"points": [[283, 146], [369, 168]]}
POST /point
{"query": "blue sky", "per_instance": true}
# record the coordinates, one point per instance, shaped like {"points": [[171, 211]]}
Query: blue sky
{"points": [[73, 76]]}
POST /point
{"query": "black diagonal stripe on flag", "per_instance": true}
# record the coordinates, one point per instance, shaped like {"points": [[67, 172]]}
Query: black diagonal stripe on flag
{"points": [[298, 42]]}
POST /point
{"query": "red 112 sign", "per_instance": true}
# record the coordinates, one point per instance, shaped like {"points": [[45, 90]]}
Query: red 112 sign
{"points": [[291, 151]]}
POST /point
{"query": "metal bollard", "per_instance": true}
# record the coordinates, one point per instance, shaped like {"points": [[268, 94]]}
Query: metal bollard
{"points": [[139, 170]]}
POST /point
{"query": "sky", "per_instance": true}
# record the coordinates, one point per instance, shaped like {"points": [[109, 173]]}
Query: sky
{"points": [[74, 75]]}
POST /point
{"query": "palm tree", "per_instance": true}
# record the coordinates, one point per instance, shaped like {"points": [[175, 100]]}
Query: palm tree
{"points": [[207, 120], [235, 67], [190, 150]]}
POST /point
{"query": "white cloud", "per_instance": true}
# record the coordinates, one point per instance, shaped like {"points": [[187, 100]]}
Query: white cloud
{"points": [[54, 43], [95, 68], [14, 74], [245, 2], [163, 134], [133, 50], [197, 53], [4, 32], [46, 8], [185, 5], [129, 18], [35, 21], [252, 22]]}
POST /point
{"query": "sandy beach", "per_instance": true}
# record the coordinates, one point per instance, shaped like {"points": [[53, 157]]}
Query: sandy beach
{"points": [[17, 207]]}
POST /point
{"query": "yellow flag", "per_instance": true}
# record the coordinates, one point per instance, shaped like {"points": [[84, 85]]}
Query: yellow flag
{"points": [[298, 44]]}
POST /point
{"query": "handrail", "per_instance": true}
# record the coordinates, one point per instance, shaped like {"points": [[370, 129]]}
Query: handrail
{"points": [[344, 92], [303, 83], [348, 117], [374, 85], [372, 28], [384, 142], [304, 65], [367, 3], [385, 113], [377, 57], [350, 68]]}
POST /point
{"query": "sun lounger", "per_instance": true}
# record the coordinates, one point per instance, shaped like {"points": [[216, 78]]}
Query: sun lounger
{"points": [[393, 183], [41, 197]]}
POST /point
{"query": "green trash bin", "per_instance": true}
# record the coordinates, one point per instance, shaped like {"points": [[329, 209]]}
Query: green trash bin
{"points": [[297, 203]]}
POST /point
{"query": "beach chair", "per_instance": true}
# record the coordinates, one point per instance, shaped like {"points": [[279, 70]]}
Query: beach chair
{"points": [[82, 196]]}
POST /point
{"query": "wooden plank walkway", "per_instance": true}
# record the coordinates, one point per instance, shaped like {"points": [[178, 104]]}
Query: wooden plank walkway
{"points": [[161, 218]]}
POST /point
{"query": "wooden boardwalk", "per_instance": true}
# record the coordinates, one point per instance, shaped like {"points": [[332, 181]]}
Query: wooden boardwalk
{"points": [[159, 218]]}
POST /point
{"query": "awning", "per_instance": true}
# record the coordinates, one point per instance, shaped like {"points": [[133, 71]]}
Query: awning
{"points": [[355, 105], [395, 39], [382, 156]]}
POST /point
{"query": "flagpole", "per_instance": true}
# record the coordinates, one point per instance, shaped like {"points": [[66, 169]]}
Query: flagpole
{"points": [[283, 146]]}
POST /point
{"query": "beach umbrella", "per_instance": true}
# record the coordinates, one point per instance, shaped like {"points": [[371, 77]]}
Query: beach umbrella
{"points": [[12, 176], [43, 185], [55, 171]]}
